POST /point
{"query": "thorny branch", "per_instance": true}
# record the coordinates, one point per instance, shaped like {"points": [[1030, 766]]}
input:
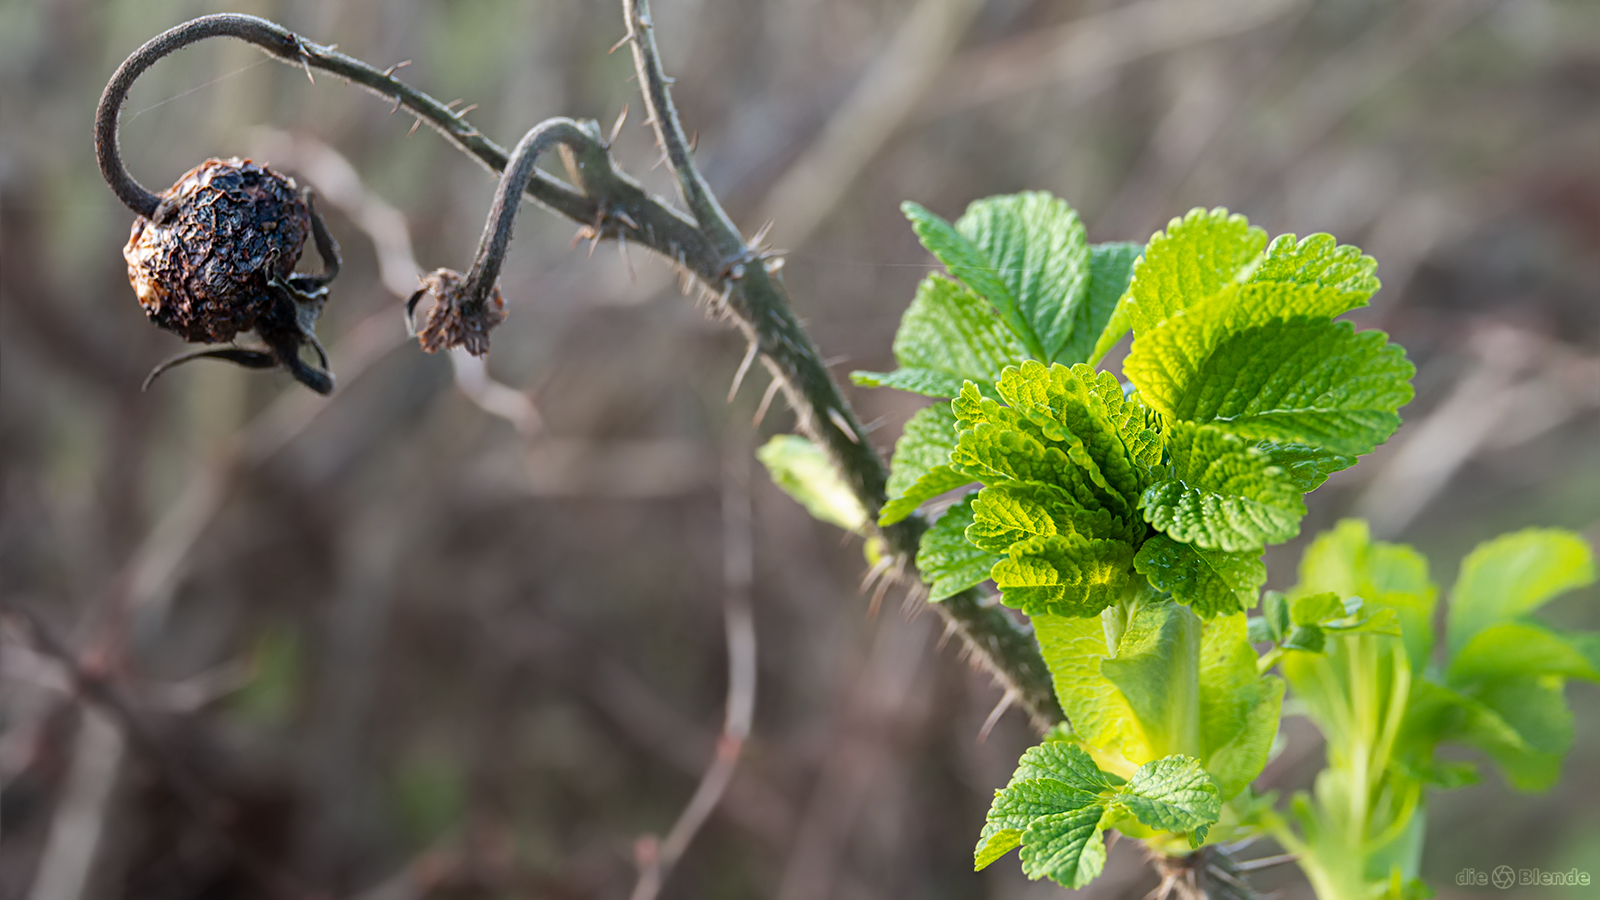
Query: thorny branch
{"points": [[708, 249]]}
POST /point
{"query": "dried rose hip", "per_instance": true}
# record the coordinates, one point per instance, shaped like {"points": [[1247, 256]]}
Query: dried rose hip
{"points": [[217, 257], [202, 263]]}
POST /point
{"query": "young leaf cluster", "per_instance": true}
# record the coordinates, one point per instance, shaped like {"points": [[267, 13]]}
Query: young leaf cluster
{"points": [[1058, 803], [1245, 394], [1386, 701]]}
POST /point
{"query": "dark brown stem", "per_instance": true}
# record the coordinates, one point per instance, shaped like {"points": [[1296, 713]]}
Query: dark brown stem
{"points": [[507, 198]]}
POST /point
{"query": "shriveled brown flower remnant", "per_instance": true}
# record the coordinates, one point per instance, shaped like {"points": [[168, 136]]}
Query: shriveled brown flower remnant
{"points": [[201, 263], [454, 320]]}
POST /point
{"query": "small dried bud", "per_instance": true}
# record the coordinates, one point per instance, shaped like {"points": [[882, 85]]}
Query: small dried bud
{"points": [[202, 262], [453, 322]]}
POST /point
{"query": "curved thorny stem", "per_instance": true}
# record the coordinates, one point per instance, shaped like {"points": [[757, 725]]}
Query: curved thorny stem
{"points": [[497, 230], [466, 308], [707, 247]]}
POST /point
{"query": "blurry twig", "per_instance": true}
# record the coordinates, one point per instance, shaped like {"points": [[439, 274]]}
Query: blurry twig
{"points": [[1094, 44], [882, 100], [738, 571], [94, 685], [1482, 412]]}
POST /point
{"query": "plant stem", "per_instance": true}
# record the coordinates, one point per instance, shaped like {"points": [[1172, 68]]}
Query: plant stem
{"points": [[708, 247]]}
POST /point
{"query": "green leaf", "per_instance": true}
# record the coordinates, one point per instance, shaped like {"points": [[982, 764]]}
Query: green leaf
{"points": [[1053, 807], [1189, 263], [1038, 245], [1226, 493], [1346, 561], [1513, 575], [1314, 609], [1173, 794], [995, 844], [1024, 253], [1110, 270], [1065, 847], [1298, 379], [968, 262], [1212, 582], [1319, 260], [1238, 708], [1518, 649], [927, 382], [1063, 574], [1073, 649], [947, 560], [805, 473], [948, 335], [1081, 410], [1013, 511], [1525, 725], [920, 469], [1154, 668]]}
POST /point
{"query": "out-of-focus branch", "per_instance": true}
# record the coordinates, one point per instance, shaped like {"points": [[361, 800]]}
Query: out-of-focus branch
{"points": [[882, 100], [738, 574], [97, 688], [1094, 44]]}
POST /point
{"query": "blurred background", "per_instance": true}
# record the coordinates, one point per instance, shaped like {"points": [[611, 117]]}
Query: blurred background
{"points": [[459, 632]]}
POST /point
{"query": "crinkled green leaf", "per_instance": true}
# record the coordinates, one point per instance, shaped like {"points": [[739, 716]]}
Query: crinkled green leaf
{"points": [[1065, 762], [1038, 248], [1309, 638], [920, 469], [1110, 270], [1518, 649], [1293, 379], [1226, 493], [1212, 582], [1189, 263], [1522, 723], [948, 335], [1346, 561], [1013, 511], [1513, 575], [1055, 790], [1065, 847], [968, 262], [1063, 574], [1173, 794], [1081, 410], [805, 473], [1322, 261], [947, 560]]}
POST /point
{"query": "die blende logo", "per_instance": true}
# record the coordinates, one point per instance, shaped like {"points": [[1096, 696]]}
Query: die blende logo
{"points": [[1505, 877]]}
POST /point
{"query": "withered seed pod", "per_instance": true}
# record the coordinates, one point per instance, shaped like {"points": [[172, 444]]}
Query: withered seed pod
{"points": [[203, 262]]}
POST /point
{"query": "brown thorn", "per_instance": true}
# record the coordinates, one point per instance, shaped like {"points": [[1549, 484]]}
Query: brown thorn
{"points": [[766, 401], [625, 38], [414, 126], [305, 63], [466, 109], [616, 128], [399, 65], [744, 367]]}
